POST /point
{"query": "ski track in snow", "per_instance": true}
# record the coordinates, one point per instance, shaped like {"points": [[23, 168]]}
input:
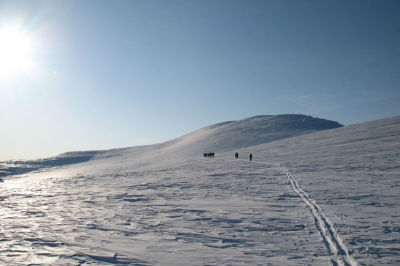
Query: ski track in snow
{"points": [[144, 206], [331, 238]]}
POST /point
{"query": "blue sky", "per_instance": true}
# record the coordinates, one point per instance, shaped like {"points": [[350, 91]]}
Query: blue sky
{"points": [[123, 73]]}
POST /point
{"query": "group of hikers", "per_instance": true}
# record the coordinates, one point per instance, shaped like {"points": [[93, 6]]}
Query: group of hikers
{"points": [[250, 156], [211, 154]]}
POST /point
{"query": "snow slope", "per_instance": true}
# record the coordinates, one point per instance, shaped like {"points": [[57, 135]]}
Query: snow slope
{"points": [[247, 132], [219, 137], [353, 174], [325, 198]]}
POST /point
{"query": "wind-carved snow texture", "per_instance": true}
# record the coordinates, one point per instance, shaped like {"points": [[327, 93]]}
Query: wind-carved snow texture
{"points": [[332, 239], [201, 212], [165, 204]]}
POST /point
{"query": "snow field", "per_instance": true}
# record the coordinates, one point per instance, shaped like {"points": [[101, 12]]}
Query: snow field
{"points": [[352, 173], [207, 212], [332, 239], [326, 198]]}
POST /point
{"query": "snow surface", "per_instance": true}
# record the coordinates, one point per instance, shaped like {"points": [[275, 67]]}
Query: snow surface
{"points": [[326, 198]]}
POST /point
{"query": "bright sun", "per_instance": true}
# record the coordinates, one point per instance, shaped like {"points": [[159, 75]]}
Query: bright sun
{"points": [[16, 52]]}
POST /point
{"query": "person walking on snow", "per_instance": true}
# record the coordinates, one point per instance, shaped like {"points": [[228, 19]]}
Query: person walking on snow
{"points": [[251, 157], [236, 155]]}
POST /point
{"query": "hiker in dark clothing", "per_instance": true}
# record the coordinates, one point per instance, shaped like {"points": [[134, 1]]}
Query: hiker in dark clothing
{"points": [[251, 157], [236, 155]]}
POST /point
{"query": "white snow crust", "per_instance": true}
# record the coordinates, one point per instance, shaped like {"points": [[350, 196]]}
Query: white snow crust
{"points": [[326, 198]]}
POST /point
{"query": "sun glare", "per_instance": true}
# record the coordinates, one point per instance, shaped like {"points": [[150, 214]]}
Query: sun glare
{"points": [[16, 50]]}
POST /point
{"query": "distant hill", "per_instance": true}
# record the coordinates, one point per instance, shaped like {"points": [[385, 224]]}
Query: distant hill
{"points": [[248, 132], [329, 197], [218, 138]]}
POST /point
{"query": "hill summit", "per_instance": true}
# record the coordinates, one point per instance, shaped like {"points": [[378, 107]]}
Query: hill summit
{"points": [[251, 131], [221, 137]]}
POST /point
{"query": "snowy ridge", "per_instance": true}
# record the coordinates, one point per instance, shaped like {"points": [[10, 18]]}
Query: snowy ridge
{"points": [[332, 239]]}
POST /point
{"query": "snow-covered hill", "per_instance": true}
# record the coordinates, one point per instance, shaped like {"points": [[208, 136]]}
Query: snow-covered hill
{"points": [[325, 198], [216, 138], [353, 173], [248, 132]]}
